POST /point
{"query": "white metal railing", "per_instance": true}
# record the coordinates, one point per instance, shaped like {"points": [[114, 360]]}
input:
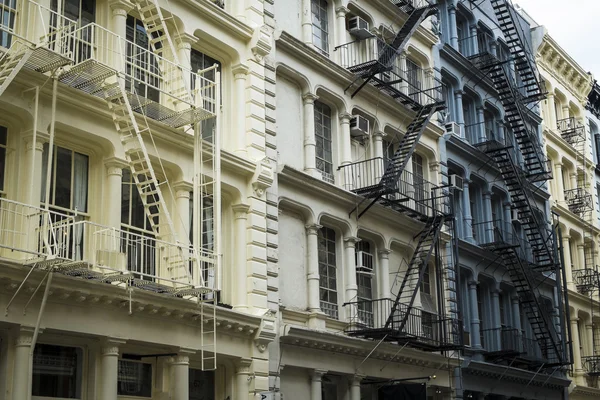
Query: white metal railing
{"points": [[105, 249], [32, 22], [150, 74]]}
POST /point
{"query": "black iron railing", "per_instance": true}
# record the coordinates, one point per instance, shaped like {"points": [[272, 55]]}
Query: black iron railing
{"points": [[411, 190], [571, 129], [591, 365], [503, 340], [578, 200], [423, 329], [586, 279]]}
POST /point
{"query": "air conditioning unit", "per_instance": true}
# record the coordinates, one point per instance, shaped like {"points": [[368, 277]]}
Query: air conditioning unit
{"points": [[359, 126], [456, 182], [359, 28], [515, 216], [454, 128], [364, 262]]}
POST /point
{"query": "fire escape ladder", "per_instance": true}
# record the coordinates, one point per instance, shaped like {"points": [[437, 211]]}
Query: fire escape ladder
{"points": [[161, 44], [541, 321], [516, 114], [136, 153], [406, 148], [521, 202], [401, 309], [418, 11], [524, 63], [12, 61]]}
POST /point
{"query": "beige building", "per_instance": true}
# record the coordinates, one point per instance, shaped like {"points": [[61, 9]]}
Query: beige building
{"points": [[137, 225], [570, 151]]}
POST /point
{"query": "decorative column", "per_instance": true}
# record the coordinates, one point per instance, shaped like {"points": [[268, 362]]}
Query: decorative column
{"points": [[242, 374], [350, 273], [316, 377], [468, 219], [33, 190], [240, 212], [120, 9], [487, 209], [494, 49], [346, 139], [475, 323], [309, 134], [378, 144], [566, 248], [114, 174], [473, 36], [481, 122], [402, 62], [507, 216], [340, 24], [240, 73], [355, 387], [239, 9], [580, 256], [460, 118], [109, 369], [516, 312], [182, 205], [312, 267], [589, 329], [552, 117], [560, 190], [576, 346], [21, 387], [452, 26], [180, 376], [496, 319], [307, 22], [383, 274]]}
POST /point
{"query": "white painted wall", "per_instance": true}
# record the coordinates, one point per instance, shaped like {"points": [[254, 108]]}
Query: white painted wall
{"points": [[289, 17], [289, 121], [292, 262], [295, 383]]}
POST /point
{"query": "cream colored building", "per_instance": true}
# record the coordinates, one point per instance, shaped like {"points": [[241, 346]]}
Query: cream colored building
{"points": [[573, 198], [329, 144], [110, 274]]}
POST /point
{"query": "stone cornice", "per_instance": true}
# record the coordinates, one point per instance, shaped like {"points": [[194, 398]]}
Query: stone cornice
{"points": [[307, 55], [222, 18], [565, 69], [340, 343], [516, 375], [586, 391]]}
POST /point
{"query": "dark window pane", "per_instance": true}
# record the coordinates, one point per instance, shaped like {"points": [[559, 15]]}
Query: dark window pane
{"points": [[134, 379], [62, 194], [125, 196], [2, 166], [202, 385], [57, 371]]}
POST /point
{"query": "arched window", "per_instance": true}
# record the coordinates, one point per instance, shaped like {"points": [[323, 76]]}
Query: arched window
{"points": [[328, 272], [364, 279], [323, 138]]}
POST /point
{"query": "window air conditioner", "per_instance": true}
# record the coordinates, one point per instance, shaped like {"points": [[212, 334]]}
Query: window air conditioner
{"points": [[454, 128], [359, 28], [359, 126], [456, 182], [515, 216], [364, 262]]}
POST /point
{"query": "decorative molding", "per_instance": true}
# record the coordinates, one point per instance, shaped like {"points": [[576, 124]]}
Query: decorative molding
{"points": [[183, 189], [309, 98], [263, 177], [261, 42], [243, 366], [350, 242], [265, 334], [25, 336], [240, 71], [312, 229], [240, 211], [110, 346], [121, 7]]}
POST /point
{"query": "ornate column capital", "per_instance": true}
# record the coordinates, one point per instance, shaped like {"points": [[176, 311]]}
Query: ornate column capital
{"points": [[24, 336], [182, 357], [183, 189], [115, 166], [242, 367], [240, 211], [459, 92], [317, 374], [341, 11], [345, 117], [312, 229], [350, 242], [184, 41], [110, 346], [40, 140], [473, 283], [384, 253], [357, 379], [378, 135], [121, 7], [309, 98], [240, 71]]}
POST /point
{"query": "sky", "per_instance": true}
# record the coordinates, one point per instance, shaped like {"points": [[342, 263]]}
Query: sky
{"points": [[574, 24]]}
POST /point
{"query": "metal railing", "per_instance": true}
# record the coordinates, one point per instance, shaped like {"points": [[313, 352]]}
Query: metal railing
{"points": [[591, 365], [579, 200], [374, 55], [413, 191], [571, 129], [146, 73], [103, 249], [413, 3], [479, 132], [586, 279], [422, 328], [502, 340], [32, 22]]}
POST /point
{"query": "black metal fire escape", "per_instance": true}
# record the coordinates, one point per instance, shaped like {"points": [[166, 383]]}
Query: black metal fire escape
{"points": [[524, 271], [396, 319]]}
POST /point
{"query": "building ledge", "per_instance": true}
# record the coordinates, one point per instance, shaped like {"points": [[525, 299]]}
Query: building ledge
{"points": [[514, 375], [585, 391], [221, 18]]}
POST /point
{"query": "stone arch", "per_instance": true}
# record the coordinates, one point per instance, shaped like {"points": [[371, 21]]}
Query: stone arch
{"points": [[286, 203], [294, 76]]}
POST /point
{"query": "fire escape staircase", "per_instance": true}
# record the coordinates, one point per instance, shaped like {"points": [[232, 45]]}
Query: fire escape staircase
{"points": [[418, 11], [524, 281]]}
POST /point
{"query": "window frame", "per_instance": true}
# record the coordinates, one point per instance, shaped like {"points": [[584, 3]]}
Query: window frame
{"points": [[319, 10], [323, 115], [365, 283], [152, 378], [147, 71], [328, 236], [82, 370], [3, 149]]}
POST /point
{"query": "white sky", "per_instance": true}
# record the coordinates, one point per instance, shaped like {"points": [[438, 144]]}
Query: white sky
{"points": [[574, 24]]}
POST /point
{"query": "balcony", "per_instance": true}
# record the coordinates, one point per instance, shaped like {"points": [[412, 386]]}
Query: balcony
{"points": [[375, 59], [499, 234], [586, 280], [422, 330], [591, 365], [411, 194], [579, 200], [510, 345], [572, 130], [79, 248]]}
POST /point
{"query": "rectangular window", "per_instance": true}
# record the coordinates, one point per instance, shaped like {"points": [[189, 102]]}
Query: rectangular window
{"points": [[205, 240], [364, 281], [8, 12], [502, 310], [82, 11], [141, 65], [414, 77], [200, 61], [138, 240], [328, 272], [134, 379], [68, 179], [419, 183], [324, 153], [202, 384], [320, 25], [426, 282], [329, 388], [480, 313], [57, 371], [3, 141]]}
